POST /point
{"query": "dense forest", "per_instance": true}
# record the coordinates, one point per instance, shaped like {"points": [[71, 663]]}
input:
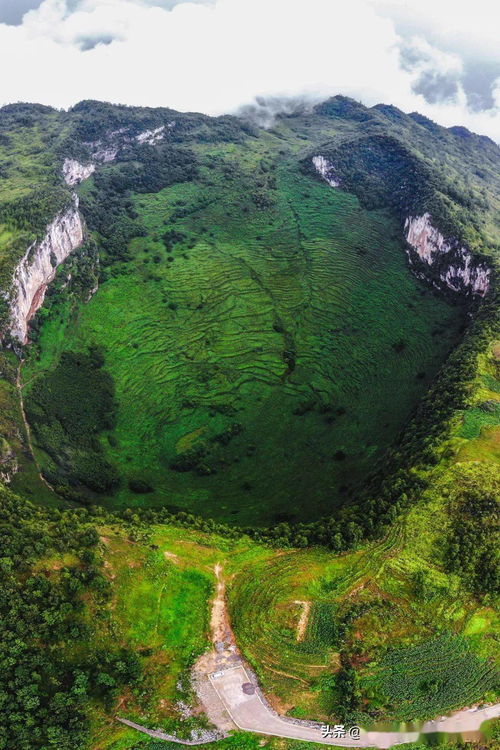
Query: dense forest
{"points": [[50, 570]]}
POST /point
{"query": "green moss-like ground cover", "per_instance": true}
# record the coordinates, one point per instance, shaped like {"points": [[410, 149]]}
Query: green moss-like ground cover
{"points": [[265, 358]]}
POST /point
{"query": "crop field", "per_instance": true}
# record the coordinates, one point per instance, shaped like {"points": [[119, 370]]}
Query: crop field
{"points": [[321, 632], [266, 327], [388, 605], [428, 678]]}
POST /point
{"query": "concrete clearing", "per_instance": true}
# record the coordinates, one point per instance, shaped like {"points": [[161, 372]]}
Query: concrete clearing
{"points": [[230, 695]]}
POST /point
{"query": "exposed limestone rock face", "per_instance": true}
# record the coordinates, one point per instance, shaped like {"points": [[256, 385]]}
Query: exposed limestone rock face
{"points": [[74, 172], [8, 462], [443, 262], [424, 238], [38, 267], [151, 136], [103, 153], [326, 169], [106, 150], [455, 266]]}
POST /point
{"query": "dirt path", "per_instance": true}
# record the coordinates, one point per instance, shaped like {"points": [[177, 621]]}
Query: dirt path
{"points": [[304, 619], [220, 627], [222, 655], [230, 695]]}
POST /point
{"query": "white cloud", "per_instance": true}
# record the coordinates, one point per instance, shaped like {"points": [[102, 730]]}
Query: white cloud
{"points": [[215, 56], [468, 28]]}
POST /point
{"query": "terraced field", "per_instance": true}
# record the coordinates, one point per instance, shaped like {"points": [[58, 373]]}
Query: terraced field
{"points": [[388, 605], [273, 593], [266, 601], [287, 342]]}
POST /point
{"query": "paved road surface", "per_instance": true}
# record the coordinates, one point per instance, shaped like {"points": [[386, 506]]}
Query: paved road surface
{"points": [[249, 712], [231, 698]]}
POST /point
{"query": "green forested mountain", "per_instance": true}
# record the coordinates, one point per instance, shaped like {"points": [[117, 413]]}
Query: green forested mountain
{"points": [[277, 338]]}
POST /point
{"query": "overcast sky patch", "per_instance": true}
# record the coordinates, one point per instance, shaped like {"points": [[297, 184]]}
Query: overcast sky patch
{"points": [[436, 87], [439, 57], [12, 11], [86, 43]]}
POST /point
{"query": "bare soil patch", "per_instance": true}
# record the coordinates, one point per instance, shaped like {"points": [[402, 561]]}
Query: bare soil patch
{"points": [[304, 619]]}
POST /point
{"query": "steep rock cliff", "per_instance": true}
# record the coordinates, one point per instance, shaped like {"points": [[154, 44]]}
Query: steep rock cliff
{"points": [[38, 266], [325, 168], [444, 262], [107, 148], [74, 172]]}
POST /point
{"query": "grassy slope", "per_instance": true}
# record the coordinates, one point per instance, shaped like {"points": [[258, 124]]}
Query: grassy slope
{"points": [[162, 580], [30, 148], [312, 273], [478, 429], [24, 158]]}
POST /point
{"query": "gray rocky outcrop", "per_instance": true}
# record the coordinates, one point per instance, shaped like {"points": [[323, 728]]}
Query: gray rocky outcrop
{"points": [[38, 266], [445, 262]]}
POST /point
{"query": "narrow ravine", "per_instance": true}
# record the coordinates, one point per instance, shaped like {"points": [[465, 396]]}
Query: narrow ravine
{"points": [[27, 429]]}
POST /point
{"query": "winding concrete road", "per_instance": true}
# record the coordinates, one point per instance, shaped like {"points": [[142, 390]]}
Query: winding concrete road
{"points": [[242, 700], [230, 695]]}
